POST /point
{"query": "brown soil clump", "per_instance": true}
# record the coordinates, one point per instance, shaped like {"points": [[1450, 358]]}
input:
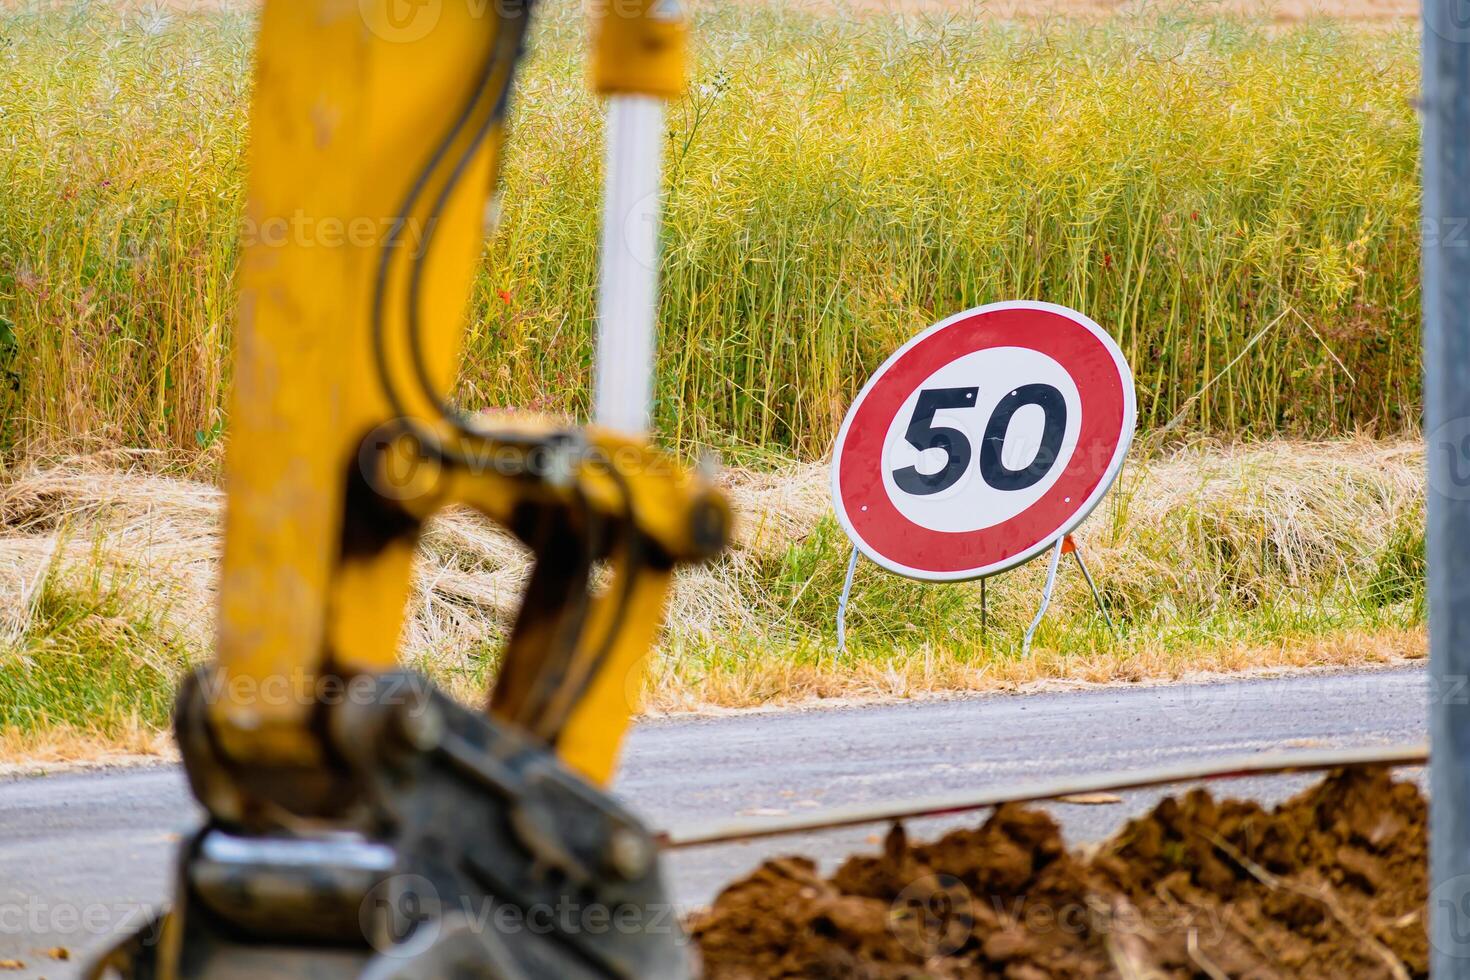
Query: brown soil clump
{"points": [[1330, 884]]}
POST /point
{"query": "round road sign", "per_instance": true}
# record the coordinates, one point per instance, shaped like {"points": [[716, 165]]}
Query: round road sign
{"points": [[983, 440]]}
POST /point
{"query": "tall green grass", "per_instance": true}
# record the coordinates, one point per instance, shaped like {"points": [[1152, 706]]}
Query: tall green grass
{"points": [[1237, 204]]}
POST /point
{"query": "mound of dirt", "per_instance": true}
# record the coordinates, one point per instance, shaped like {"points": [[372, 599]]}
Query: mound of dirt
{"points": [[1332, 883]]}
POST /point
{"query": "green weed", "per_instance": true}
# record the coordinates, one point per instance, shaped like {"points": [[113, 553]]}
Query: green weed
{"points": [[1236, 203], [92, 657]]}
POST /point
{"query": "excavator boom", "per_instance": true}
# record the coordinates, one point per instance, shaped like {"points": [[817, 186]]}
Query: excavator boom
{"points": [[359, 822]]}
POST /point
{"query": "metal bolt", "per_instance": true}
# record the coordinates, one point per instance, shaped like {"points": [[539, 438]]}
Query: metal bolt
{"points": [[708, 526], [629, 853], [422, 725]]}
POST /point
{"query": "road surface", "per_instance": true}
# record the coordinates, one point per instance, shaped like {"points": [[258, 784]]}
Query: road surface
{"points": [[84, 856]]}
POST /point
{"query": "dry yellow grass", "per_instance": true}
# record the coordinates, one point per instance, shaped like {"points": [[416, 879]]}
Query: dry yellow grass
{"points": [[160, 536], [1220, 557], [782, 684], [64, 748], [1333, 504], [931, 673]]}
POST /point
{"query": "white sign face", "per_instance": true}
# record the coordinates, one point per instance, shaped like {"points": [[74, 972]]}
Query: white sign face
{"points": [[971, 503], [983, 440]]}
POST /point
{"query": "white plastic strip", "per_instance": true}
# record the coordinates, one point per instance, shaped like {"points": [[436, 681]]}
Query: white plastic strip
{"points": [[628, 300]]}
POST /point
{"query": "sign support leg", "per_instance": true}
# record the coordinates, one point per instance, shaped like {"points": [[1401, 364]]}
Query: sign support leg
{"points": [[984, 614], [842, 603], [1051, 582], [1096, 595]]}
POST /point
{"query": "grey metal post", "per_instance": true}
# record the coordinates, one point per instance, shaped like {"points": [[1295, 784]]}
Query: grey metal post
{"points": [[1102, 607], [842, 602], [984, 613], [1446, 270], [1051, 582]]}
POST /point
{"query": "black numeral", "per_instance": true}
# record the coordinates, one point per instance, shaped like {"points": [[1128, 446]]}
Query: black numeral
{"points": [[992, 469], [923, 435]]}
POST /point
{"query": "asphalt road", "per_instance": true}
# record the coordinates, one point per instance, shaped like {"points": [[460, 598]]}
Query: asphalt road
{"points": [[84, 856]]}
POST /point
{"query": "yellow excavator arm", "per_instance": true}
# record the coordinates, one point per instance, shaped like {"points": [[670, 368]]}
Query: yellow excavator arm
{"points": [[340, 791], [373, 154]]}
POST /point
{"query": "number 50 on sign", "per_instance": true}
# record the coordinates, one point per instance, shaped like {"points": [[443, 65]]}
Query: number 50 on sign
{"points": [[983, 440]]}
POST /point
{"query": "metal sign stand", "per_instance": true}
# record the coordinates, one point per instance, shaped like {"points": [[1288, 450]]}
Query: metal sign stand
{"points": [[1065, 545], [842, 602], [984, 613]]}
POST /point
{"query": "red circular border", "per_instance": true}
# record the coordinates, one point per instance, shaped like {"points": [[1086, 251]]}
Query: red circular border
{"points": [[886, 531]]}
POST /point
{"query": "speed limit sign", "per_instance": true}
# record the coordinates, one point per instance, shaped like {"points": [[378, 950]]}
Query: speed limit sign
{"points": [[983, 440]]}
